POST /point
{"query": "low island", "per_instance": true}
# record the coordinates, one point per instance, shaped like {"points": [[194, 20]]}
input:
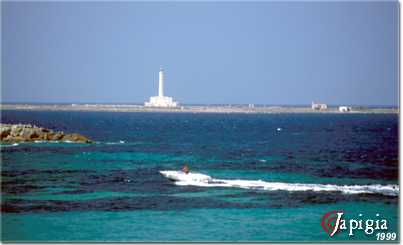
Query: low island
{"points": [[194, 108]]}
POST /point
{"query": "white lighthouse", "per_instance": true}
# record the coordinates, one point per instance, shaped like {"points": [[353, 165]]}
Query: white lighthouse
{"points": [[161, 84], [161, 100]]}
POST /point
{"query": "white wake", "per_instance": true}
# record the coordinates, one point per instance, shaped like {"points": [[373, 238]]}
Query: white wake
{"points": [[197, 179]]}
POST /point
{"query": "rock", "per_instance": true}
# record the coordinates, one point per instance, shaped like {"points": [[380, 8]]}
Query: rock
{"points": [[15, 130], [10, 138], [38, 133], [46, 136], [34, 136], [45, 130], [5, 132], [75, 138], [57, 136], [27, 132]]}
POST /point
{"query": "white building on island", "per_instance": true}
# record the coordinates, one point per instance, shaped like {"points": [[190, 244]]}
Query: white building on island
{"points": [[318, 106], [344, 108], [161, 100]]}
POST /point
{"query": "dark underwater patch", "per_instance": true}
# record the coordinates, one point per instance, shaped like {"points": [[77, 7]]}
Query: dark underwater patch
{"points": [[256, 199]]}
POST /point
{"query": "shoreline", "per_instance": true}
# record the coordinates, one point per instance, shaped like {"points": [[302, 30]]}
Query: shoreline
{"points": [[191, 109]]}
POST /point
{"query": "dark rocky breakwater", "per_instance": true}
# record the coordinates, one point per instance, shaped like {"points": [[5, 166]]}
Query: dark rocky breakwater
{"points": [[11, 133]]}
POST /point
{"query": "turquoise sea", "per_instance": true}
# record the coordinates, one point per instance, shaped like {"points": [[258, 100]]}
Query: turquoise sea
{"points": [[112, 190]]}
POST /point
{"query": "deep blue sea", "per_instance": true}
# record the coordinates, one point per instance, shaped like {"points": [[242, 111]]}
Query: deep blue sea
{"points": [[112, 190]]}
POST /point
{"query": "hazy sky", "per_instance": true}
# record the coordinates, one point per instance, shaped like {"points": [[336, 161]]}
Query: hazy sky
{"points": [[212, 52]]}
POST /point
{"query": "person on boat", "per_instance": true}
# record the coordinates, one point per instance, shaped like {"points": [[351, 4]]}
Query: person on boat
{"points": [[185, 169]]}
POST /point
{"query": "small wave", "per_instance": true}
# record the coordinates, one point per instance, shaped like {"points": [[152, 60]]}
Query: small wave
{"points": [[207, 181], [115, 143], [48, 141], [40, 141], [12, 145]]}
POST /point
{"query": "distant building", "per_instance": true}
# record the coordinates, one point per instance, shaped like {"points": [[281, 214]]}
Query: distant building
{"points": [[161, 100], [344, 108], [318, 106]]}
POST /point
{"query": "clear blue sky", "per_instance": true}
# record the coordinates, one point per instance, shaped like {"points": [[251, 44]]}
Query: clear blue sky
{"points": [[212, 52]]}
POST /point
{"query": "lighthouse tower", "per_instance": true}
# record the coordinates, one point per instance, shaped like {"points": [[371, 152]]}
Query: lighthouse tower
{"points": [[161, 100], [161, 83]]}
